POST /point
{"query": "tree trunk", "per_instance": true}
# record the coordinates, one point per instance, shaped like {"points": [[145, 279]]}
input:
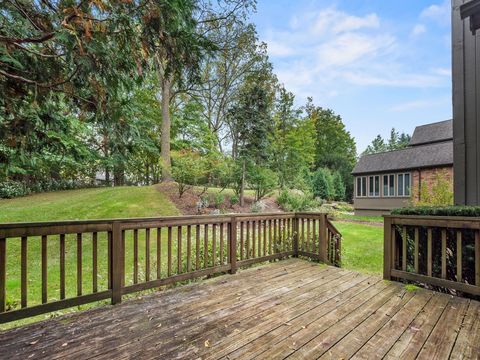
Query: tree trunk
{"points": [[166, 128], [242, 186]]}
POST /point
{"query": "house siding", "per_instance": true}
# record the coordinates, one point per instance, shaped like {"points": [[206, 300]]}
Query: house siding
{"points": [[382, 204]]}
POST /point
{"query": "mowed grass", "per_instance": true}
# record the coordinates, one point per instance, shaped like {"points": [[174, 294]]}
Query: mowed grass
{"points": [[100, 203], [362, 247]]}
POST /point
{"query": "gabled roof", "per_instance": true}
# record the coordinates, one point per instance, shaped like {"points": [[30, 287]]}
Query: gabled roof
{"points": [[415, 157], [432, 133]]}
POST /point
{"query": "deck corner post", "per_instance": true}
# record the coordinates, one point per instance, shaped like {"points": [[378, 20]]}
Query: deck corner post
{"points": [[116, 263], [233, 245], [322, 238], [387, 248], [295, 235]]}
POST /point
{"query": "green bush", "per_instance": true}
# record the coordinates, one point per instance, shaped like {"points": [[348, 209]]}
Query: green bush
{"points": [[439, 193], [218, 200], [322, 184], [338, 186], [291, 201], [11, 189], [262, 180], [234, 199], [468, 211]]}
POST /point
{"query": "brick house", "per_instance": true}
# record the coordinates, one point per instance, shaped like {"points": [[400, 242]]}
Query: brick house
{"points": [[389, 180]]}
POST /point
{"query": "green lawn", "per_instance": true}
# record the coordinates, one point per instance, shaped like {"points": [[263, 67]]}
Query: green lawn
{"points": [[362, 247], [100, 203], [378, 219]]}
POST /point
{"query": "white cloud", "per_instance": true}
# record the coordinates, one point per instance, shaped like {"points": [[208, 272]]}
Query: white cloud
{"points": [[419, 104], [418, 30], [439, 13], [331, 20]]}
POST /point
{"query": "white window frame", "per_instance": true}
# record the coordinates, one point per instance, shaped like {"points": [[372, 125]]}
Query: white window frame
{"points": [[373, 194], [389, 194], [404, 185], [363, 180]]}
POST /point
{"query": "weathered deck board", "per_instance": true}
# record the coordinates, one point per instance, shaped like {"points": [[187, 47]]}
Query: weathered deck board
{"points": [[291, 308]]}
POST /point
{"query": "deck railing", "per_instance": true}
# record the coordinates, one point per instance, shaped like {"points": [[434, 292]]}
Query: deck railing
{"points": [[78, 262], [434, 250]]}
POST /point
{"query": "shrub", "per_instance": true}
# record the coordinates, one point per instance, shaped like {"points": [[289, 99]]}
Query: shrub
{"points": [[291, 201], [234, 199], [467, 211], [218, 200], [338, 186], [322, 184], [187, 169], [11, 189]]}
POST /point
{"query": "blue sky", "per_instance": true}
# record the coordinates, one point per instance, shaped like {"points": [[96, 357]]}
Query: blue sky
{"points": [[378, 63]]}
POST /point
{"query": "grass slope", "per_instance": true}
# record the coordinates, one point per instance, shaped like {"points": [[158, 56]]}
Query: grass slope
{"points": [[100, 203]]}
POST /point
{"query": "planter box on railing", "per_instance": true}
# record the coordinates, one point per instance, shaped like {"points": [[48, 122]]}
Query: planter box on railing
{"points": [[436, 250], [110, 258]]}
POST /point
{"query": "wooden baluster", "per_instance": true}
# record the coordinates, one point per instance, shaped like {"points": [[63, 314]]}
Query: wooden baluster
{"points": [[303, 248], [429, 253], [394, 248], [308, 236], [259, 238], [247, 240], [270, 239], [179, 250], [197, 247], [444, 253], [117, 261], [189, 248], [62, 267], [135, 256], [123, 257], [24, 272], [477, 258], [109, 259], [459, 256], [169, 252], [94, 263], [415, 253], [315, 240], [147, 254], [280, 235], [265, 237], [242, 245], [283, 234], [253, 239], [79, 264], [275, 247], [387, 248], [159, 253], [404, 248], [214, 245], [232, 244], [222, 257], [3, 273], [44, 269], [205, 246]]}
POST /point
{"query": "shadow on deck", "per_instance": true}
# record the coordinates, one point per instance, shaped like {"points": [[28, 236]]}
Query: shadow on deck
{"points": [[290, 308]]}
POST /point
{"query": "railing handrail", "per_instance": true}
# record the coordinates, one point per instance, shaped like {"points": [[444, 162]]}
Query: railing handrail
{"points": [[281, 229]]}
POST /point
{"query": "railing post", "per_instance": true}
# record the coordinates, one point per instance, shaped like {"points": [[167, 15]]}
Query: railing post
{"points": [[295, 234], [387, 248], [233, 244], [322, 238], [116, 263]]}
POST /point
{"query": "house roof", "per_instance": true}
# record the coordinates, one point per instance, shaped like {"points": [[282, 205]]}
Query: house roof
{"points": [[432, 133], [422, 156]]}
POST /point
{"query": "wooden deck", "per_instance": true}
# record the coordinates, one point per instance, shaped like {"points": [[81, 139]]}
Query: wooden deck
{"points": [[292, 308]]}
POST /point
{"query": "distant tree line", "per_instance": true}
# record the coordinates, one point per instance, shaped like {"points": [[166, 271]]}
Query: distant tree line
{"points": [[144, 91], [396, 141]]}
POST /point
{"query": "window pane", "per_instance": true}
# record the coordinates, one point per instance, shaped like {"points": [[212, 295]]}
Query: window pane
{"points": [[370, 186], [400, 185], [407, 184], [392, 185], [377, 185], [385, 185], [364, 186], [359, 186]]}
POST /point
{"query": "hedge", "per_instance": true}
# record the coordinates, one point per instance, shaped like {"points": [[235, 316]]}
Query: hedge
{"points": [[467, 211]]}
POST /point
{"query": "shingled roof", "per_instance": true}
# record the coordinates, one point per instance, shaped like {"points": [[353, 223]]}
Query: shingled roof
{"points": [[415, 157], [432, 133]]}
